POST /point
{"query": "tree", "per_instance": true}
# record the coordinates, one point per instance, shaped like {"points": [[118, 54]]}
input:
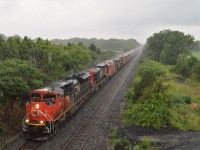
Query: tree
{"points": [[3, 49], [196, 71], [92, 47], [17, 79], [172, 43], [25, 48], [184, 65], [80, 57]]}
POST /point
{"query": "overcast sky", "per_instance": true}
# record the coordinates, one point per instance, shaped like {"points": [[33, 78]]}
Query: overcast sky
{"points": [[106, 19]]}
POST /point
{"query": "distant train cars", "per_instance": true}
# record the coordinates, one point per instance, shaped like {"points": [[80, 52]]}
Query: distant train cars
{"points": [[49, 106]]}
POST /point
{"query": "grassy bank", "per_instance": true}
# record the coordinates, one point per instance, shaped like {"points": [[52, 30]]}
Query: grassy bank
{"points": [[182, 93]]}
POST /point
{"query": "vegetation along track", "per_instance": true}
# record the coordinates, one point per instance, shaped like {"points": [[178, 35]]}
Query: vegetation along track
{"points": [[80, 138]]}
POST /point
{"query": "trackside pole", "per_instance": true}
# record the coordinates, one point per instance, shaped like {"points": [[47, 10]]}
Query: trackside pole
{"points": [[130, 146]]}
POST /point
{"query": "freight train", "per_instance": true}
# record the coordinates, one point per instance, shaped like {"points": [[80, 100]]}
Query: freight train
{"points": [[50, 105]]}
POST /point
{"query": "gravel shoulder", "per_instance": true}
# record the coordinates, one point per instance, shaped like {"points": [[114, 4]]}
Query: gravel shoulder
{"points": [[163, 138]]}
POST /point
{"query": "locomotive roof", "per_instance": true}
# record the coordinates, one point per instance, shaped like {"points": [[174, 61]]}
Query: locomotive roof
{"points": [[83, 75], [56, 86], [109, 60], [116, 58], [100, 65], [122, 56], [95, 69], [57, 90], [64, 82]]}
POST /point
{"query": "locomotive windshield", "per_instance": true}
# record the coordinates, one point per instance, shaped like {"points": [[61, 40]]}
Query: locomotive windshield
{"points": [[49, 97], [36, 97]]}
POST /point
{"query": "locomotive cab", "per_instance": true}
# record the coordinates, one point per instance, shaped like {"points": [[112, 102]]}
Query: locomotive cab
{"points": [[44, 107]]}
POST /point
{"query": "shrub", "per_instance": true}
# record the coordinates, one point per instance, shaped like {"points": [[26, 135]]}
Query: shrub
{"points": [[145, 144], [121, 143], [152, 113], [196, 71], [153, 110], [147, 75], [182, 99]]}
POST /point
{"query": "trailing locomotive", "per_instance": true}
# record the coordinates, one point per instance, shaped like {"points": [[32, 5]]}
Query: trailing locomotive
{"points": [[49, 106]]}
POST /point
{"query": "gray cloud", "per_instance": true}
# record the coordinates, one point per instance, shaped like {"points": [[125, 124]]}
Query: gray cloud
{"points": [[8, 7], [98, 18]]}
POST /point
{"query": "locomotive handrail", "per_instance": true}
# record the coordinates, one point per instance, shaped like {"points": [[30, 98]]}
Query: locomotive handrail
{"points": [[23, 122], [50, 120], [46, 115], [24, 118]]}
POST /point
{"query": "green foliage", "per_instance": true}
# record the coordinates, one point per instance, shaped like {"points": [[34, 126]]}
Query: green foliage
{"points": [[17, 78], [156, 108], [196, 47], [111, 44], [182, 66], [80, 57], [192, 61], [163, 57], [148, 74], [118, 142], [178, 99], [145, 144], [152, 110], [185, 118], [196, 71], [92, 47], [166, 45]]}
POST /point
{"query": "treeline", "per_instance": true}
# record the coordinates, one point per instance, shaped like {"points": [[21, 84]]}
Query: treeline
{"points": [[27, 64], [152, 100], [111, 44], [174, 48]]}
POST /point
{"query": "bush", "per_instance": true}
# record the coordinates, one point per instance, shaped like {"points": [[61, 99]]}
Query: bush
{"points": [[146, 144], [196, 71], [121, 143], [152, 110], [147, 75], [152, 113], [182, 99], [177, 121]]}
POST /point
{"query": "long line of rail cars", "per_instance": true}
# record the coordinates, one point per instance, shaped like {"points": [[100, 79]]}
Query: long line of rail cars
{"points": [[49, 106]]}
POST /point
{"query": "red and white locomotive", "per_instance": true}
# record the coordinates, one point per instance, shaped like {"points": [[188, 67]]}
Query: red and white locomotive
{"points": [[49, 106]]}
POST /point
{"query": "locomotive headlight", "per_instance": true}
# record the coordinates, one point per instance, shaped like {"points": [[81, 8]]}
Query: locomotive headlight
{"points": [[37, 106], [41, 122], [27, 120]]}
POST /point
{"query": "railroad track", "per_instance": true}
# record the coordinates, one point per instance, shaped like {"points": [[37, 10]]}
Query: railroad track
{"points": [[80, 138], [30, 145]]}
